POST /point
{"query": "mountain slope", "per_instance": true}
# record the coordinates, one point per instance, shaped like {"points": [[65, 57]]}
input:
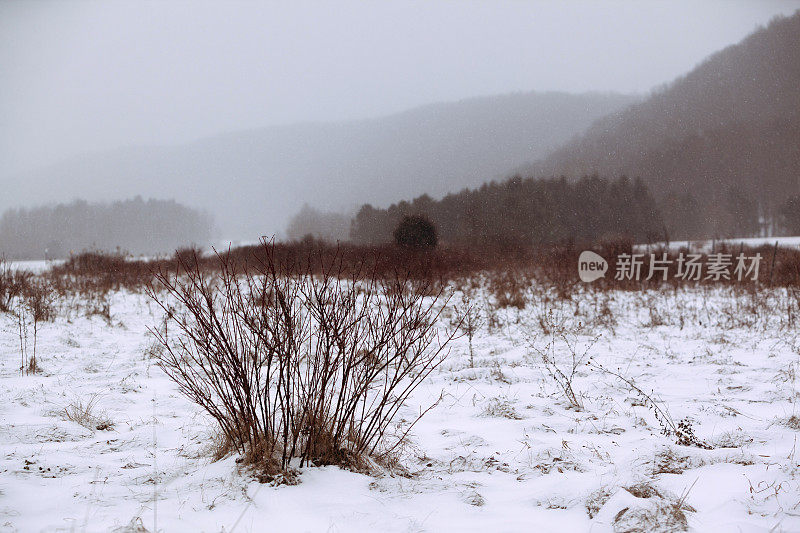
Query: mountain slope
{"points": [[728, 133], [253, 180]]}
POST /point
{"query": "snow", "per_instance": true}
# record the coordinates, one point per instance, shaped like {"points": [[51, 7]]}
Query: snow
{"points": [[34, 266], [503, 451], [706, 246]]}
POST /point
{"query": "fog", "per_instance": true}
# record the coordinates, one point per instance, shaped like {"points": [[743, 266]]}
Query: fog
{"points": [[86, 77], [89, 76]]}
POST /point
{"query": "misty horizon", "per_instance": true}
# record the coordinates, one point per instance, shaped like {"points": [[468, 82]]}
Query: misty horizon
{"points": [[127, 76], [251, 112], [633, 96]]}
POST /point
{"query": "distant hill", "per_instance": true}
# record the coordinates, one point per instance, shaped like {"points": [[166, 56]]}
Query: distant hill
{"points": [[717, 147], [252, 181]]}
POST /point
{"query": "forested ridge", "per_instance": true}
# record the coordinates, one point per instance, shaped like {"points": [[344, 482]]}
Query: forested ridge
{"points": [[718, 147]]}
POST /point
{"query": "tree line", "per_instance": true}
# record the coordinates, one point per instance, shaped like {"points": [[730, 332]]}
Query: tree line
{"points": [[134, 226], [528, 211]]}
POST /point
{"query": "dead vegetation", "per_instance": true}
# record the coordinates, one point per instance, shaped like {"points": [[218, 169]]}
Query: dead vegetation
{"points": [[85, 413], [13, 283], [641, 507], [513, 274], [295, 364], [561, 353], [682, 431]]}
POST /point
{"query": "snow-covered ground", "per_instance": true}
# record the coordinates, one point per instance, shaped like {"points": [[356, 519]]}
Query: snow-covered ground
{"points": [[706, 246], [35, 266], [503, 451]]}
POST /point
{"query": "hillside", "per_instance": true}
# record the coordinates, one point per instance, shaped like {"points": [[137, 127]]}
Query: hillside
{"points": [[717, 146], [252, 181]]}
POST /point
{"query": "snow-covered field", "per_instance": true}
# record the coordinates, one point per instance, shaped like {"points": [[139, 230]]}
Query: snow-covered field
{"points": [[707, 245], [502, 451], [34, 266]]}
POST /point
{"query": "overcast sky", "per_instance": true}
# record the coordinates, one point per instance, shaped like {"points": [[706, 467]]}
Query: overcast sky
{"points": [[86, 76]]}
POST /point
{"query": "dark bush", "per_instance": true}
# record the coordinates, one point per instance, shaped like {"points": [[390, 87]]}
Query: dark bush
{"points": [[416, 231]]}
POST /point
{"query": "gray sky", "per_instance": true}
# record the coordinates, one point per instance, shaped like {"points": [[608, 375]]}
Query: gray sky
{"points": [[87, 76]]}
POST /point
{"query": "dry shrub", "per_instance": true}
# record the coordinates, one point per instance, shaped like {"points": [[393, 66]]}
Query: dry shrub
{"points": [[39, 298], [32, 304], [682, 431], [653, 511], [510, 267], [468, 318], [597, 499], [13, 284], [659, 516], [669, 460], [190, 256], [513, 275], [437, 265], [501, 408], [100, 272], [787, 266], [561, 353], [792, 422], [509, 287], [294, 364], [558, 266], [87, 415]]}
